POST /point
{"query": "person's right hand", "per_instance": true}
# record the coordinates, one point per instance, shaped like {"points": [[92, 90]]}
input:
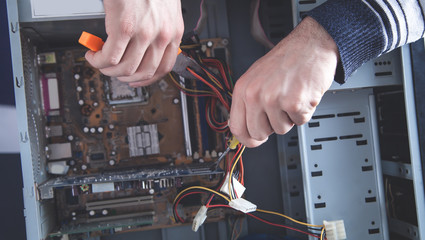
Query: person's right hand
{"points": [[143, 40], [284, 87]]}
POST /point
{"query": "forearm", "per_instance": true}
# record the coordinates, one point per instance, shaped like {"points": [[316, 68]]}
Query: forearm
{"points": [[364, 30]]}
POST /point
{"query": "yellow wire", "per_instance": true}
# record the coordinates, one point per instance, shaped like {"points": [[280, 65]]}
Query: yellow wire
{"points": [[189, 46], [322, 233], [188, 89], [289, 218], [214, 80], [231, 172], [200, 187]]}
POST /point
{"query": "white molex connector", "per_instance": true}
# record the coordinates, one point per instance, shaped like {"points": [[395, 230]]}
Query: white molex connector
{"points": [[199, 219], [335, 230], [239, 188], [243, 205]]}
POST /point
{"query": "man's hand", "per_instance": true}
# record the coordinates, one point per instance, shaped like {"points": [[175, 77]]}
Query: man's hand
{"points": [[143, 40], [284, 87]]}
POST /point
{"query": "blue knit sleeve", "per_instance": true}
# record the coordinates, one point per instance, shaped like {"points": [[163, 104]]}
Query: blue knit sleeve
{"points": [[356, 30]]}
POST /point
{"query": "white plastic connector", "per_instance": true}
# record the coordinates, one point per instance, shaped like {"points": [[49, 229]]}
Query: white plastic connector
{"points": [[243, 205], [335, 230], [199, 219], [239, 188]]}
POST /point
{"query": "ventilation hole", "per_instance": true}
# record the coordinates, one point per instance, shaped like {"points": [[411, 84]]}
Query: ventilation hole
{"points": [[351, 136], [366, 160], [315, 165], [323, 116], [294, 187], [307, 1], [367, 168], [359, 120], [294, 138], [292, 144], [370, 199], [361, 142], [317, 174], [292, 166], [320, 205], [316, 147], [348, 114], [373, 222], [374, 231], [382, 74], [325, 139], [294, 194], [319, 197], [369, 191], [313, 124]]}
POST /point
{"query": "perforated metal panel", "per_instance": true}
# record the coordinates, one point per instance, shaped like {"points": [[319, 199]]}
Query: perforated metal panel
{"points": [[341, 165], [291, 175]]}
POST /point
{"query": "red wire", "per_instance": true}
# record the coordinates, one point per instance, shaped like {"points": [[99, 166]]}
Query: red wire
{"points": [[212, 87], [209, 62], [198, 95], [267, 222], [212, 76], [217, 64], [234, 157], [222, 127], [213, 103], [178, 201], [231, 164], [211, 198], [282, 226], [228, 170], [241, 180], [192, 95], [220, 205]]}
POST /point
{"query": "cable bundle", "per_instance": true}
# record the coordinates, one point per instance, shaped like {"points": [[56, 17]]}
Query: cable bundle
{"points": [[215, 83]]}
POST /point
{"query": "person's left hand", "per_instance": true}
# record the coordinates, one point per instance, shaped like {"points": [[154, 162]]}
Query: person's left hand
{"points": [[143, 40]]}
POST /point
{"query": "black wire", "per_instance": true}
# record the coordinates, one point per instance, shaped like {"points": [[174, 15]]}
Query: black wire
{"points": [[315, 234], [180, 197], [303, 227]]}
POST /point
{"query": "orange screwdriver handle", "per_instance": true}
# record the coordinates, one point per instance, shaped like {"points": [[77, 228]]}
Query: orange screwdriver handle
{"points": [[91, 41], [94, 42]]}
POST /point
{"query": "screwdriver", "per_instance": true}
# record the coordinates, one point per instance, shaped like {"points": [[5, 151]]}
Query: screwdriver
{"points": [[232, 144], [183, 62]]}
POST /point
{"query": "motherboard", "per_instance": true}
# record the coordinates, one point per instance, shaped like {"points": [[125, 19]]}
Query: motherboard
{"points": [[117, 156]]}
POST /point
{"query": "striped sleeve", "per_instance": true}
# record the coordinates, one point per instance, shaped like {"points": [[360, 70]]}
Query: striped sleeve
{"points": [[365, 29]]}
